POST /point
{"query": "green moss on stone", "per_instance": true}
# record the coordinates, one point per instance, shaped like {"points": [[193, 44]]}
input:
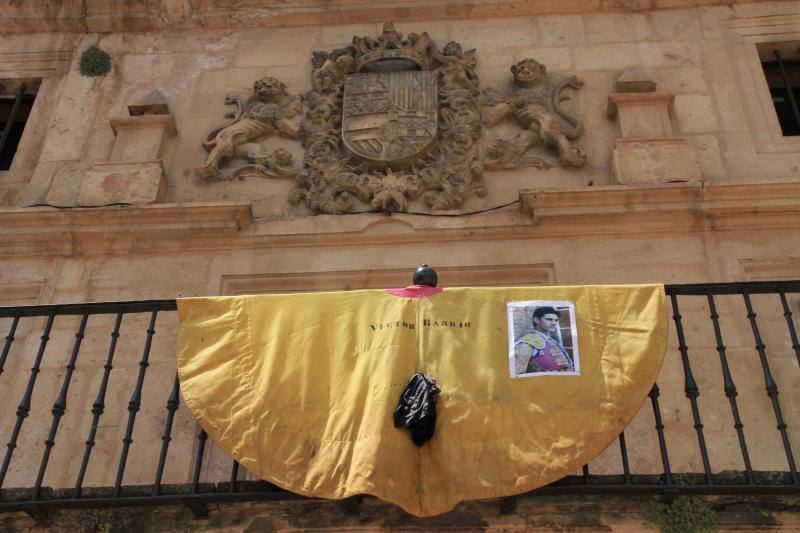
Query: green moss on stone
{"points": [[684, 515], [95, 62]]}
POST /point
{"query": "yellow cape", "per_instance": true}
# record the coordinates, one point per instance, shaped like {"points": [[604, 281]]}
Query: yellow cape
{"points": [[300, 389]]}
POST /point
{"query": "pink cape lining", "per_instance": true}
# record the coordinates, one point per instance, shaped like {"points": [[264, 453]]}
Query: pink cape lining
{"points": [[415, 291]]}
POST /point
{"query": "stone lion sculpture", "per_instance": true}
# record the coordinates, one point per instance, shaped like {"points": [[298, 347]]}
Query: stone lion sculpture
{"points": [[535, 108], [269, 111]]}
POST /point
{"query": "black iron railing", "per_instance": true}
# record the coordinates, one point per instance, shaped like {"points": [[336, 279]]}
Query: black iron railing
{"points": [[35, 497]]}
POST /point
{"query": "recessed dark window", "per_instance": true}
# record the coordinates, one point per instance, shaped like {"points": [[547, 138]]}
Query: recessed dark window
{"points": [[15, 108], [781, 64]]}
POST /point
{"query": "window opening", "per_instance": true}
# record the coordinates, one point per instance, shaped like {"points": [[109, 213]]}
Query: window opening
{"points": [[15, 107], [781, 65]]}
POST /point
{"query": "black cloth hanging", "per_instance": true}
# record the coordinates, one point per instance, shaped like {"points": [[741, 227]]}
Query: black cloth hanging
{"points": [[416, 409]]}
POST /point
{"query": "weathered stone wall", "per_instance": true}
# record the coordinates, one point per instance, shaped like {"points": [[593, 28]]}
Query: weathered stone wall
{"points": [[576, 226], [692, 53]]}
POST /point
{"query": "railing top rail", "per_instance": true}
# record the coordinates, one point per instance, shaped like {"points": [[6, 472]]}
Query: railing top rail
{"points": [[142, 306], [92, 308], [751, 287]]}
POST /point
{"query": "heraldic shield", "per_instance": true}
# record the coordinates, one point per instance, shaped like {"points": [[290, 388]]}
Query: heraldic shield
{"points": [[390, 117]]}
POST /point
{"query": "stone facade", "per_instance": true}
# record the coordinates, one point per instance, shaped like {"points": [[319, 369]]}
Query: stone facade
{"points": [[687, 178]]}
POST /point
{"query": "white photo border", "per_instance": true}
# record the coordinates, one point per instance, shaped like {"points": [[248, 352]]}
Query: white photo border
{"points": [[510, 306]]}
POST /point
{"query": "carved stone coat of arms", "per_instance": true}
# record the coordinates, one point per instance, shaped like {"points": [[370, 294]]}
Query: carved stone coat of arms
{"points": [[390, 120], [390, 117]]}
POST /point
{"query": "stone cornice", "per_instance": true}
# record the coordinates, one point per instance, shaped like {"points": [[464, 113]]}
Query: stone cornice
{"points": [[144, 121], [665, 208], [48, 231], [618, 210], [101, 17]]}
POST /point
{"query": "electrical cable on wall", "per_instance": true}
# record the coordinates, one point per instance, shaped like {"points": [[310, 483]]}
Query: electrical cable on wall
{"points": [[479, 211], [80, 206], [353, 213]]}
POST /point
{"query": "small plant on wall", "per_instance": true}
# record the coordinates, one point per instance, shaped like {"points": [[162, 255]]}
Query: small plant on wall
{"points": [[95, 62], [684, 515]]}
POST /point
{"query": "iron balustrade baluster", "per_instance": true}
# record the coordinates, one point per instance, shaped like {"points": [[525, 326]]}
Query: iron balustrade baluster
{"points": [[7, 344], [134, 405], [787, 313], [623, 450], [12, 116], [585, 474], [198, 464], [98, 407], [788, 85], [730, 388], [194, 503], [662, 442], [234, 475], [24, 408], [690, 387], [172, 405], [59, 407], [771, 386]]}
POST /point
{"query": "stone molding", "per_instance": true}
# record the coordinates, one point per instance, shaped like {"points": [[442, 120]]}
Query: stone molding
{"points": [[665, 207], [101, 17], [134, 229], [618, 210]]}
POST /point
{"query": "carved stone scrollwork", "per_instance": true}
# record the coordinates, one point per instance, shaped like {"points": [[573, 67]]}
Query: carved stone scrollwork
{"points": [[392, 119]]}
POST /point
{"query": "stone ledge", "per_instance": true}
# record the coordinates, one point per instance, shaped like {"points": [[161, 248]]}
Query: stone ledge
{"points": [[48, 231], [666, 207], [618, 210]]}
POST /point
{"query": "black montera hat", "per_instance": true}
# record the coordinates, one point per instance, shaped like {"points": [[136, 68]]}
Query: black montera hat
{"points": [[541, 311]]}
